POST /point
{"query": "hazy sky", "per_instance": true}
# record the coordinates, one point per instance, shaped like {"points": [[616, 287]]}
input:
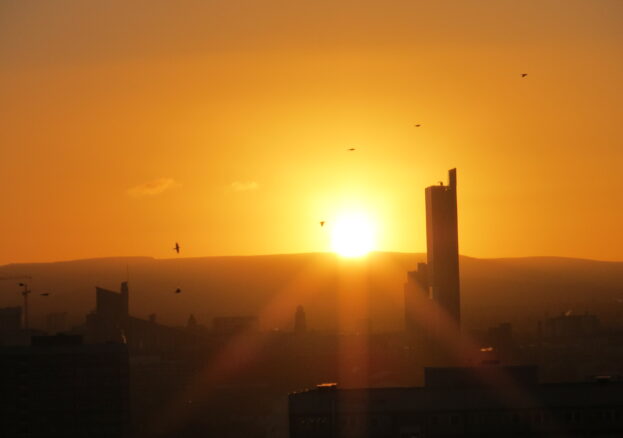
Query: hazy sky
{"points": [[128, 125]]}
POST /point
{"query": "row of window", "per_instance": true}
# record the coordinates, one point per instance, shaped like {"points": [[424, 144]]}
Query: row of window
{"points": [[536, 418]]}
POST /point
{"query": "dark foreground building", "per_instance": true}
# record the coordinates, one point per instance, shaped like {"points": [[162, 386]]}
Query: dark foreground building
{"points": [[59, 387], [462, 402]]}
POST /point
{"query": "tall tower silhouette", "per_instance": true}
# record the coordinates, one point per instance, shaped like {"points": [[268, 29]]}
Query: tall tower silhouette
{"points": [[442, 242], [432, 292]]}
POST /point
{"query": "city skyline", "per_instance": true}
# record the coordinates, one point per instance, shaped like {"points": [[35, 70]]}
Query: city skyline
{"points": [[243, 218]]}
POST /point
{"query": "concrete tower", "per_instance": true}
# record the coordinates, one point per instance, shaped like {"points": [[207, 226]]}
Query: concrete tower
{"points": [[432, 292], [443, 247]]}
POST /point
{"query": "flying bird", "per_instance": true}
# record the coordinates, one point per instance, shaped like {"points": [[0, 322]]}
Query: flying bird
{"points": [[176, 248], [523, 75], [178, 291], [322, 223], [350, 149], [417, 125]]}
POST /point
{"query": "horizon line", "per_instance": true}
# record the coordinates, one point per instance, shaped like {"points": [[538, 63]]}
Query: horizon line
{"points": [[102, 258]]}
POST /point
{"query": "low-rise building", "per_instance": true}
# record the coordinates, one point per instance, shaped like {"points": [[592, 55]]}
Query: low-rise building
{"points": [[462, 402]]}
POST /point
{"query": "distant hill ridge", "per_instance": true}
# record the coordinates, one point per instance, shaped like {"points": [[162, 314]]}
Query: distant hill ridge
{"points": [[519, 290]]}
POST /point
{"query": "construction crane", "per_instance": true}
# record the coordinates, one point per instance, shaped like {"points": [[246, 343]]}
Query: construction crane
{"points": [[25, 293]]}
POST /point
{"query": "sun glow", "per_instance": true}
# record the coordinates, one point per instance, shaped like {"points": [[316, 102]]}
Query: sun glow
{"points": [[353, 235]]}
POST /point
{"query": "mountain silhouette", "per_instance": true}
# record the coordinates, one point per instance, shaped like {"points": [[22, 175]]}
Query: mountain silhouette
{"points": [[517, 290]]}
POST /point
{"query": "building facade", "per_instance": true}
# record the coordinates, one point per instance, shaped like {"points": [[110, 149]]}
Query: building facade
{"points": [[462, 402], [59, 387]]}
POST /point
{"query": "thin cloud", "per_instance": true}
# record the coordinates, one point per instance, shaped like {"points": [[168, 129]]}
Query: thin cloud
{"points": [[244, 186], [152, 188]]}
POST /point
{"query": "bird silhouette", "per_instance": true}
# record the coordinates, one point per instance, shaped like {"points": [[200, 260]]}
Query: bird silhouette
{"points": [[45, 294], [176, 248], [322, 223], [178, 291], [350, 149], [523, 75], [417, 125]]}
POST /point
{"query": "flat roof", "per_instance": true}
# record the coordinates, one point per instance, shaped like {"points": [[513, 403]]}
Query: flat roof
{"points": [[423, 399]]}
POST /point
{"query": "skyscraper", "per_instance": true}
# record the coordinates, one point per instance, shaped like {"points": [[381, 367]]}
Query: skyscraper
{"points": [[443, 247], [432, 292]]}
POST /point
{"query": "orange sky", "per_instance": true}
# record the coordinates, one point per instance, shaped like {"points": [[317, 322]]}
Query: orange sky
{"points": [[128, 125]]}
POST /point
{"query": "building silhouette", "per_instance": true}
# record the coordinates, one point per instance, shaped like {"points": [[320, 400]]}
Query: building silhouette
{"points": [[111, 322], [10, 319], [501, 339], [442, 243], [432, 292], [234, 325], [417, 305], [568, 325], [487, 401], [56, 322], [59, 387], [12, 330]]}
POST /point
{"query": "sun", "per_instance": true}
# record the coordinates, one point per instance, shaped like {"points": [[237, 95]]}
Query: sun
{"points": [[353, 235]]}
